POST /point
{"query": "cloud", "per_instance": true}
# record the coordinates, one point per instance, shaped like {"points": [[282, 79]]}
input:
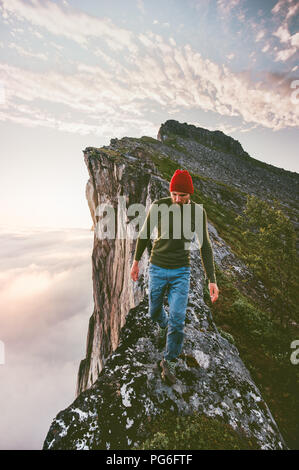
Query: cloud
{"points": [[294, 40], [26, 53], [266, 47], [285, 10], [260, 35], [285, 54], [230, 56], [282, 33], [227, 129], [155, 74], [68, 22], [45, 305], [226, 7], [163, 74], [140, 6], [90, 92], [2, 93]]}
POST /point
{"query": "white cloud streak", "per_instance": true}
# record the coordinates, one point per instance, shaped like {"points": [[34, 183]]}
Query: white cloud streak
{"points": [[284, 10], [288, 7], [68, 22], [24, 52], [226, 7], [156, 74]]}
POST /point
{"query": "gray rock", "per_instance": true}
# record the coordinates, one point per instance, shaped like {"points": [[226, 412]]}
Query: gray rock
{"points": [[212, 379]]}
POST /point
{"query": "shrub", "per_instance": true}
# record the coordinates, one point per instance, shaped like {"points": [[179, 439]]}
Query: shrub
{"points": [[195, 432]]}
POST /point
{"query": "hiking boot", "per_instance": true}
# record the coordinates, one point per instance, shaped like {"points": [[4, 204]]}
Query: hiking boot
{"points": [[162, 337], [168, 371]]}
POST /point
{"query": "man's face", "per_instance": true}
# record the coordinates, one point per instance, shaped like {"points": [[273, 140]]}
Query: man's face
{"points": [[180, 198]]}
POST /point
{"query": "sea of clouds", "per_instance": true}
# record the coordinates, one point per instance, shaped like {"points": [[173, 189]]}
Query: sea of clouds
{"points": [[45, 304]]}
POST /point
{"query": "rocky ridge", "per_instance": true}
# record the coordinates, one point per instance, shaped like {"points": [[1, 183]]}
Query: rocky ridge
{"points": [[113, 412], [119, 386]]}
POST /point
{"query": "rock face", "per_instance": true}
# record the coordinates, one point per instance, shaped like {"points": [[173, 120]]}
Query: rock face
{"points": [[111, 182], [119, 386]]}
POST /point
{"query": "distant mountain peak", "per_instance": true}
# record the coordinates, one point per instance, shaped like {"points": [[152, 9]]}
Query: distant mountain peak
{"points": [[216, 139]]}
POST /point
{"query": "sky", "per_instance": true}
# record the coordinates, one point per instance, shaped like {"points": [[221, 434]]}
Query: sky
{"points": [[74, 74]]}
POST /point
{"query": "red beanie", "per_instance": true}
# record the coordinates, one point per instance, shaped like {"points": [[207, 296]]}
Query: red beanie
{"points": [[182, 182]]}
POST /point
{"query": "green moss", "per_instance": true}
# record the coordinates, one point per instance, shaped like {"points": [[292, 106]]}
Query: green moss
{"points": [[244, 317], [109, 152], [97, 152], [165, 165], [149, 140], [172, 142], [264, 347], [227, 335], [195, 432]]}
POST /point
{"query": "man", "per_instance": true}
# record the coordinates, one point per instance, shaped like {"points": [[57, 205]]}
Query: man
{"points": [[170, 263]]}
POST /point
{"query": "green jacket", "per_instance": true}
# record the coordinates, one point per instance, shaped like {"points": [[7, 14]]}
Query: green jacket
{"points": [[171, 249]]}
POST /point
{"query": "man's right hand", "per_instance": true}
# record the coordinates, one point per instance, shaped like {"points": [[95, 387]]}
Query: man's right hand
{"points": [[135, 271]]}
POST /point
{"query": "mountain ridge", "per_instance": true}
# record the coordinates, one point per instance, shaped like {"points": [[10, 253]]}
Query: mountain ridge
{"points": [[140, 169]]}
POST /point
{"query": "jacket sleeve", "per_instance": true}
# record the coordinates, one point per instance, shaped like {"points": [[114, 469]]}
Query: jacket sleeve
{"points": [[206, 252]]}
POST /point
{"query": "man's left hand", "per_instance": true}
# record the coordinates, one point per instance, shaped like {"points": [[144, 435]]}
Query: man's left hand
{"points": [[214, 291]]}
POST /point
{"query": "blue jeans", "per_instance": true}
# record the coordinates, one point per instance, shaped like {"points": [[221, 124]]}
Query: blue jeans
{"points": [[178, 282]]}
